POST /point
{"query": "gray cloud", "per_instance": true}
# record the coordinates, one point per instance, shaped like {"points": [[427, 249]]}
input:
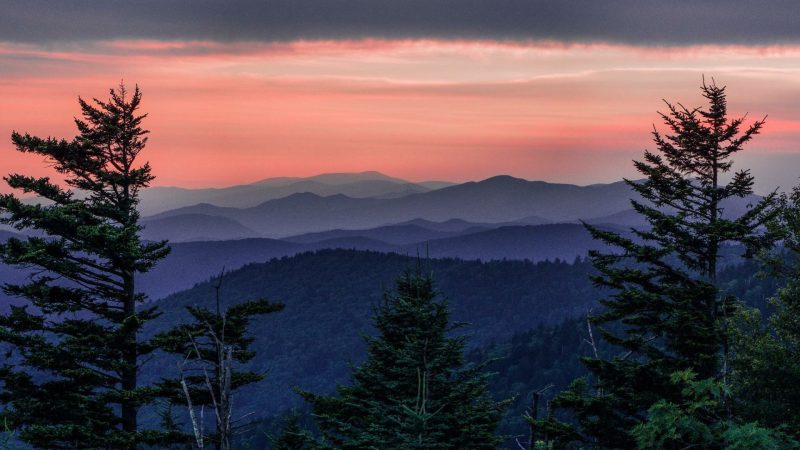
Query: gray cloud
{"points": [[646, 22]]}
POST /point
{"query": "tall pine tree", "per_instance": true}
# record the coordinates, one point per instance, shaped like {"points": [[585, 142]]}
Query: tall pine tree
{"points": [[413, 391], [668, 309], [71, 377]]}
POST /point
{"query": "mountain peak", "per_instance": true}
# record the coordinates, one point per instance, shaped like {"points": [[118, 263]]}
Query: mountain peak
{"points": [[333, 178], [299, 196], [505, 179], [352, 177]]}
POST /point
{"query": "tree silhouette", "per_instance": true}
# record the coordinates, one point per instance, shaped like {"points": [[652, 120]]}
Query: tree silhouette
{"points": [[413, 391], [71, 379], [668, 309]]}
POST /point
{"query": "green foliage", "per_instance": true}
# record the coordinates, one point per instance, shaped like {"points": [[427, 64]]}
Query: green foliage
{"points": [[699, 421], [676, 426], [751, 435], [413, 392], [667, 304], [71, 377]]}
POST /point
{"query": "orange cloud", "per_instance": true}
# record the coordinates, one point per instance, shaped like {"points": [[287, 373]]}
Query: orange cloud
{"points": [[222, 114]]}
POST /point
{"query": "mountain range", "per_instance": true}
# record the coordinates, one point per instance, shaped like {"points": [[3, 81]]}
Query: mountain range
{"points": [[371, 205], [364, 184], [193, 262], [496, 201], [494, 219]]}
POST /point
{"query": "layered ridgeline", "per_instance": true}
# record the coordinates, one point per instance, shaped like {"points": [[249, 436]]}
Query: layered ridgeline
{"points": [[510, 307], [497, 201], [357, 185], [193, 262], [518, 224]]}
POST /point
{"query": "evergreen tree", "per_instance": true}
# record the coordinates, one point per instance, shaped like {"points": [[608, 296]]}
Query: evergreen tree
{"points": [[210, 346], [413, 391], [70, 379], [700, 421], [671, 315]]}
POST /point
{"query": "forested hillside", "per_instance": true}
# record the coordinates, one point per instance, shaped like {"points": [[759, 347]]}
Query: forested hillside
{"points": [[528, 315], [332, 293]]}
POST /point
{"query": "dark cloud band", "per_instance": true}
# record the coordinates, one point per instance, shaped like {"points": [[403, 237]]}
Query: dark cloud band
{"points": [[645, 22]]}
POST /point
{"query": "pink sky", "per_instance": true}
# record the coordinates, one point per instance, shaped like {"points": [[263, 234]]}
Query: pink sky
{"points": [[223, 114]]}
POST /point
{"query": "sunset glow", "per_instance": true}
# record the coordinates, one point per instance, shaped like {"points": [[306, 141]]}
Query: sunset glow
{"points": [[230, 113]]}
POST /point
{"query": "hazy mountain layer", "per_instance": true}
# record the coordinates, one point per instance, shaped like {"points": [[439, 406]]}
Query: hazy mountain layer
{"points": [[357, 185], [391, 234], [193, 262], [194, 227], [535, 243], [497, 200]]}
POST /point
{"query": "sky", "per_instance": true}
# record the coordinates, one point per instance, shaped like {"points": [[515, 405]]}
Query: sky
{"points": [[561, 91]]}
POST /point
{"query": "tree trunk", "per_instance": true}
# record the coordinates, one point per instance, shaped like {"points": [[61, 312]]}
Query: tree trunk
{"points": [[129, 382], [534, 416]]}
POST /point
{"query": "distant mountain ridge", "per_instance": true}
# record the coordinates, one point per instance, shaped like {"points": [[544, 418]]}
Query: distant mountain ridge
{"points": [[414, 231], [497, 200], [521, 242], [333, 178], [391, 234], [192, 262], [155, 200], [195, 227]]}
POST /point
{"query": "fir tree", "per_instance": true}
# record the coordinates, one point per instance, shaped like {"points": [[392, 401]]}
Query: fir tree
{"points": [[671, 315], [413, 391], [70, 379], [210, 346]]}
